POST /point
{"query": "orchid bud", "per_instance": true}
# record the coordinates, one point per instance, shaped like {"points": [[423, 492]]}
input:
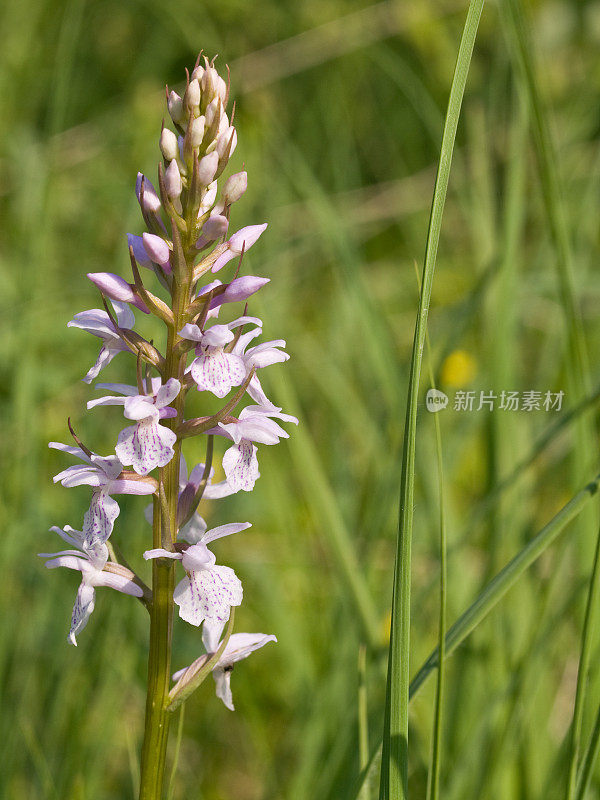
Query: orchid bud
{"points": [[209, 81], [168, 145], [149, 200], [173, 180], [234, 188], [197, 132], [157, 248], [191, 97], [213, 108], [139, 251], [175, 106], [240, 289], [223, 122], [207, 168], [208, 199], [116, 288], [209, 287], [221, 88], [242, 240], [214, 227], [223, 146]]}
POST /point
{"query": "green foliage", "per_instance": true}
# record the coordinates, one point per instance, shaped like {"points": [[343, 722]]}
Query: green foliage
{"points": [[340, 133]]}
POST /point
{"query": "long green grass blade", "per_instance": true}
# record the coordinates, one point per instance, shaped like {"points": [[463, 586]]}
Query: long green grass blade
{"points": [[394, 765], [433, 778], [589, 627], [577, 363], [363, 721], [505, 579], [523, 41], [589, 760], [499, 586]]}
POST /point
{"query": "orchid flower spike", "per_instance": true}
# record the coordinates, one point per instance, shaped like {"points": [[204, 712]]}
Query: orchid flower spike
{"points": [[239, 646], [147, 444], [98, 323], [208, 591]]}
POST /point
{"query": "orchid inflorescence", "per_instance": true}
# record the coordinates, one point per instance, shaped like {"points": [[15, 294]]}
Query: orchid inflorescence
{"points": [[186, 237]]}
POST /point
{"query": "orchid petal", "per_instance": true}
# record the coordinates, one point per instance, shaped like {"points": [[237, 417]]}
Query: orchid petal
{"points": [[192, 332], [223, 687], [208, 594], [167, 393], [122, 388], [140, 407], [119, 582], [84, 605], [99, 519], [106, 401], [145, 446], [160, 552], [241, 466], [225, 530], [194, 530], [218, 372]]}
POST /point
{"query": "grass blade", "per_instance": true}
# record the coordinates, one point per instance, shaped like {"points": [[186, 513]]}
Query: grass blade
{"points": [[505, 579], [591, 754], [433, 779], [499, 586], [363, 721], [577, 362], [589, 625], [394, 765]]}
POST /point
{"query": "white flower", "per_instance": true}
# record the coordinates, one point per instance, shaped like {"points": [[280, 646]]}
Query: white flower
{"points": [[208, 591], [98, 323], [213, 369], [90, 558], [239, 646], [261, 355], [147, 444], [102, 473], [254, 425]]}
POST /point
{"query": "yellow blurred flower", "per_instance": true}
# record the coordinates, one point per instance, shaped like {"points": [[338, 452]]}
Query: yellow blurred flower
{"points": [[458, 369], [384, 631]]}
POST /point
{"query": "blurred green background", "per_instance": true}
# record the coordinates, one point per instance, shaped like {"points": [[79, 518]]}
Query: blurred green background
{"points": [[339, 113]]}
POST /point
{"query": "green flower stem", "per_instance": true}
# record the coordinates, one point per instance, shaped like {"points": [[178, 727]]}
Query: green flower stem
{"points": [[156, 727], [394, 764]]}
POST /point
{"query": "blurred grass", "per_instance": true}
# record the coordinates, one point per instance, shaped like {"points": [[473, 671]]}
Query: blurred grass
{"points": [[339, 130]]}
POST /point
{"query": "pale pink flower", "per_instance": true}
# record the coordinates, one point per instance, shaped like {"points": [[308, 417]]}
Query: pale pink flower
{"points": [[147, 444], [98, 323], [239, 646], [89, 559], [208, 591], [213, 369]]}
